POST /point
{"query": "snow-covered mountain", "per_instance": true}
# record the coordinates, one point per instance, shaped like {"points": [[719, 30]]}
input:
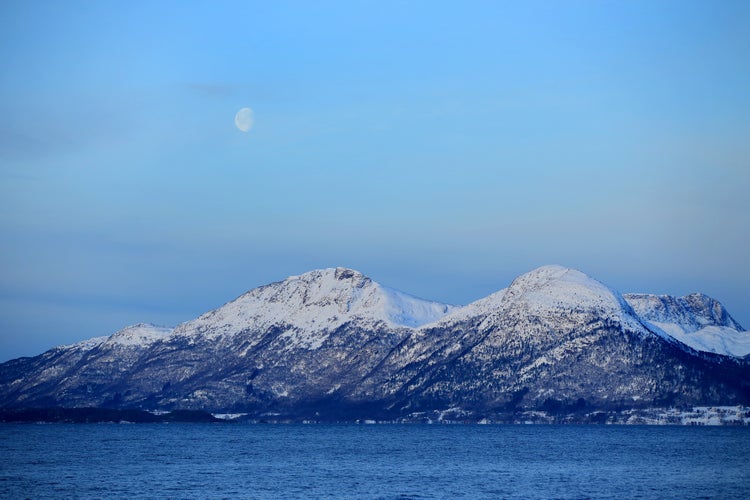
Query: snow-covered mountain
{"points": [[138, 336], [333, 344], [314, 304], [554, 339], [695, 320]]}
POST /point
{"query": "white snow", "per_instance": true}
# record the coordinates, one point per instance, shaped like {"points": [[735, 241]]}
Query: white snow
{"points": [[311, 305], [140, 335], [717, 415], [405, 310], [698, 415], [563, 289], [228, 416], [716, 339], [557, 286], [314, 303], [695, 320], [301, 339], [477, 308], [85, 345]]}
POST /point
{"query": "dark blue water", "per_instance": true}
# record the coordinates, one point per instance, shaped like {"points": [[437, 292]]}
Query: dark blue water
{"points": [[374, 461]]}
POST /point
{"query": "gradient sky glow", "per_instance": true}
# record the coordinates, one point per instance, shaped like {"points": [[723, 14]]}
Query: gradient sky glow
{"points": [[442, 148]]}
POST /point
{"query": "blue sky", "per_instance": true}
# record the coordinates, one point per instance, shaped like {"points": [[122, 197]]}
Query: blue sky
{"points": [[440, 148]]}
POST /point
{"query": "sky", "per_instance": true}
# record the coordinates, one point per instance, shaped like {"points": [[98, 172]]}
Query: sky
{"points": [[441, 148]]}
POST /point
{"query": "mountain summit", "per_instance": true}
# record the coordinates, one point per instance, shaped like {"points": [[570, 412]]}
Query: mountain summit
{"points": [[320, 300], [695, 320], [332, 344], [549, 290]]}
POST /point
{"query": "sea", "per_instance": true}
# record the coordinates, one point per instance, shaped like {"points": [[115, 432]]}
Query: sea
{"points": [[381, 461]]}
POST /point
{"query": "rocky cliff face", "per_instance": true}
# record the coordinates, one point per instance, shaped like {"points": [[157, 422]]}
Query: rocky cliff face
{"points": [[333, 344], [695, 320]]}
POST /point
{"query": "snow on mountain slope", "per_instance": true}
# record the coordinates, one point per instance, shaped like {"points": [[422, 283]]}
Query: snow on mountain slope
{"points": [[334, 344], [560, 287], [716, 339], [322, 300], [554, 337], [317, 301], [692, 312], [405, 310], [553, 289], [695, 320], [140, 335], [481, 307], [548, 289], [84, 345]]}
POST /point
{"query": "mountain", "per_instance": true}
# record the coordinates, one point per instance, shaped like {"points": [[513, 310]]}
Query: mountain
{"points": [[695, 320], [314, 303], [334, 345], [553, 339]]}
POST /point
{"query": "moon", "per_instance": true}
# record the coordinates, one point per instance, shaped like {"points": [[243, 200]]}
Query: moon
{"points": [[244, 119]]}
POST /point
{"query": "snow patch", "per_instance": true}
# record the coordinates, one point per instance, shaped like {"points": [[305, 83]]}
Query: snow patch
{"points": [[302, 339], [140, 335], [405, 310], [481, 307], [716, 339], [85, 345]]}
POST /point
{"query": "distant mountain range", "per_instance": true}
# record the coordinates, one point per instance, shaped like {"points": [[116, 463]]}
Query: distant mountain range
{"points": [[334, 345]]}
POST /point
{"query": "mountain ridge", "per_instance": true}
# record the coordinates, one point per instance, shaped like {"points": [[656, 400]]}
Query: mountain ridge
{"points": [[437, 312], [333, 342]]}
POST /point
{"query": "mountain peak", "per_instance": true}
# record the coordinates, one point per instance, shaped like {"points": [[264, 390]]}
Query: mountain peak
{"points": [[559, 283], [550, 273], [318, 301], [553, 287], [692, 312], [342, 274], [546, 272], [696, 320]]}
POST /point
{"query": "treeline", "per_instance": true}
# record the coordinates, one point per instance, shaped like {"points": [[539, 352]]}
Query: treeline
{"points": [[102, 415]]}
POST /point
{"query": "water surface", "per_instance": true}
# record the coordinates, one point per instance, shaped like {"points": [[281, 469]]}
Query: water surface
{"points": [[372, 461]]}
